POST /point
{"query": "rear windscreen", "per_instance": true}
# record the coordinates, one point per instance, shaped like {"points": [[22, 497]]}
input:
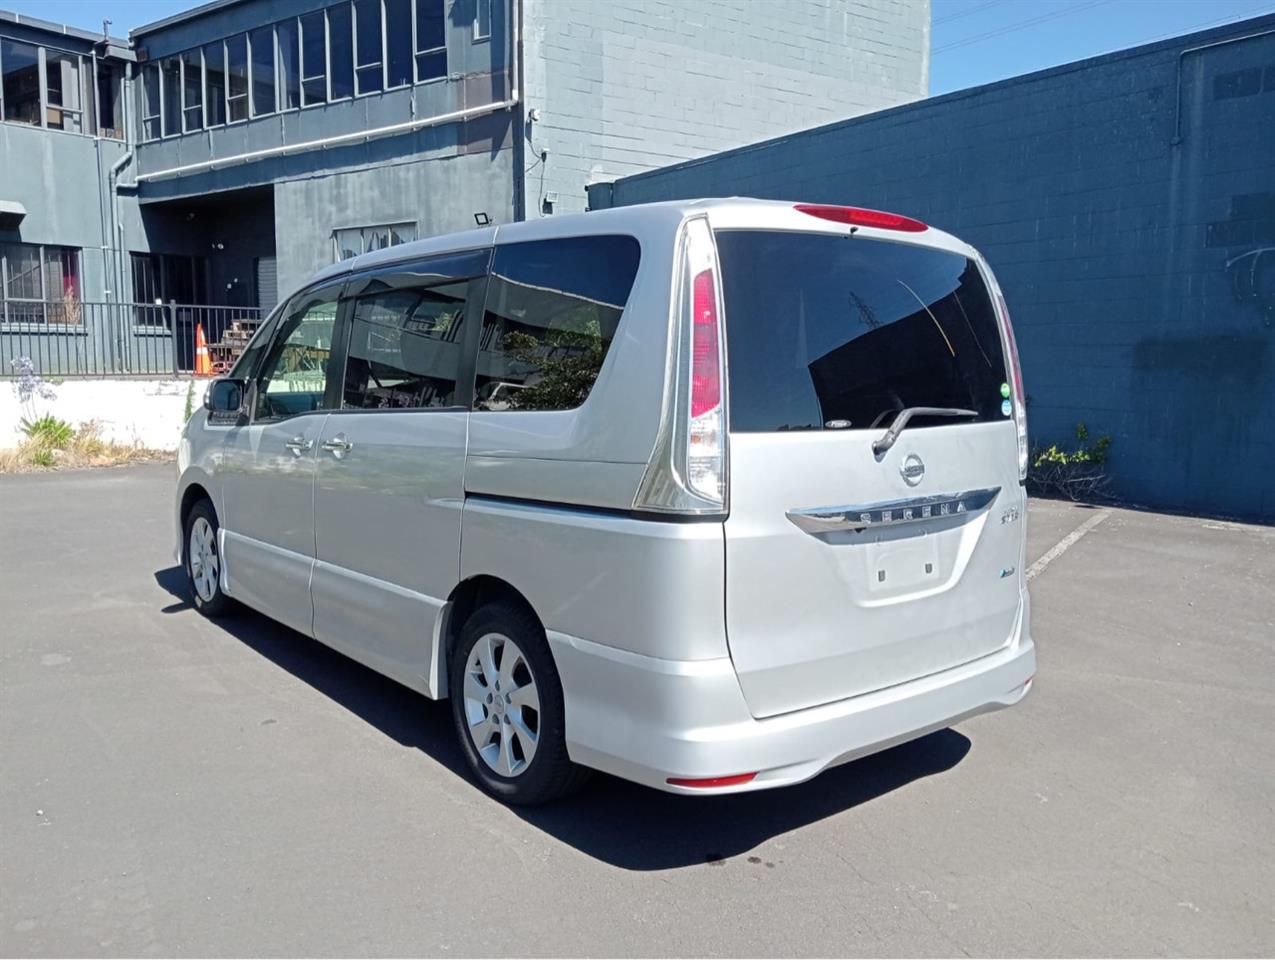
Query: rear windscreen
{"points": [[827, 331]]}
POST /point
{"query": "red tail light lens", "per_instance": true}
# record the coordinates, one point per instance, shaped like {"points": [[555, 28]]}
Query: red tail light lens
{"points": [[861, 217], [706, 782], [706, 374]]}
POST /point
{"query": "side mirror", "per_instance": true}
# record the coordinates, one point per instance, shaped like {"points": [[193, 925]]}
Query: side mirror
{"points": [[224, 396]]}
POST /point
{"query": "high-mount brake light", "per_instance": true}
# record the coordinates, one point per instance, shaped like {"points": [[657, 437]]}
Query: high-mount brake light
{"points": [[862, 217]]}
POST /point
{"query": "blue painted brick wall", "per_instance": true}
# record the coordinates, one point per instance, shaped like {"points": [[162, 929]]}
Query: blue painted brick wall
{"points": [[1139, 265]]}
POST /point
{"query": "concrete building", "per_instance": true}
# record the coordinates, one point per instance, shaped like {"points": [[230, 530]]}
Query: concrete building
{"points": [[1127, 203], [222, 155]]}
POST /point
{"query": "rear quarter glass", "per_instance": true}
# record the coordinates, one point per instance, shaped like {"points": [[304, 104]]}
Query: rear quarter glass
{"points": [[834, 331]]}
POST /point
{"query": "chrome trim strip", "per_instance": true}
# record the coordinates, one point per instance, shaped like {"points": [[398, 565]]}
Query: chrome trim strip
{"points": [[891, 513]]}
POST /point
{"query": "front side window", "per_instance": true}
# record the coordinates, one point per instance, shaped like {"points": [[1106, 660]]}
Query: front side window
{"points": [[826, 331], [20, 92], [405, 349], [294, 375], [553, 307]]}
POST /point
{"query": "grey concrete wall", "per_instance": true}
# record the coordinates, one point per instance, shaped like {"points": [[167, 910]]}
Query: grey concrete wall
{"points": [[629, 85], [439, 190], [59, 177], [1137, 254]]}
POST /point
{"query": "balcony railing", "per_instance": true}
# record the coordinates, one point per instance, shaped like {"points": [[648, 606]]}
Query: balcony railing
{"points": [[76, 339]]}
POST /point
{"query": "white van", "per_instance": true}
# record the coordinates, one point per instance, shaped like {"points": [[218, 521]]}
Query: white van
{"points": [[709, 495]]}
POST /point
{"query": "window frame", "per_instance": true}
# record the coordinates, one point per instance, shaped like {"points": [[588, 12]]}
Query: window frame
{"points": [[157, 117], [354, 26], [253, 112], [303, 67], [246, 96], [418, 51], [478, 35], [472, 266], [77, 253], [225, 85], [363, 228], [336, 358]]}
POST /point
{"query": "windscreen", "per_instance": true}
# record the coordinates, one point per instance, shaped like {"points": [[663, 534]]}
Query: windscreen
{"points": [[837, 331]]}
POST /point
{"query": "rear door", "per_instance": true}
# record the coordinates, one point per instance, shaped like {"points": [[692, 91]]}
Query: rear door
{"points": [[389, 482], [850, 570]]}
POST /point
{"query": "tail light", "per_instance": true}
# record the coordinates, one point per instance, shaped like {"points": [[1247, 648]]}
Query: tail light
{"points": [[1016, 385], [687, 471]]}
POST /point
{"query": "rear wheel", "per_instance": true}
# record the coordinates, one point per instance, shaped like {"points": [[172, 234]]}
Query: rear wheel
{"points": [[508, 709], [203, 561]]}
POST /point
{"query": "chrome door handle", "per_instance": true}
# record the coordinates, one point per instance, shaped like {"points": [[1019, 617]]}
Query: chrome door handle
{"points": [[338, 446], [299, 445]]}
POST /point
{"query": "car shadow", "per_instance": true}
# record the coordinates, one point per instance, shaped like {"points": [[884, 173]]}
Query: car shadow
{"points": [[612, 820]]}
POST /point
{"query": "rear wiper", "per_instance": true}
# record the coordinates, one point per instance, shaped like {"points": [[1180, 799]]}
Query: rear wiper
{"points": [[886, 442]]}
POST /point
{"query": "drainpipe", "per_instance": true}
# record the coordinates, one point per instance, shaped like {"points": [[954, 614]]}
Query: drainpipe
{"points": [[116, 168], [520, 114]]}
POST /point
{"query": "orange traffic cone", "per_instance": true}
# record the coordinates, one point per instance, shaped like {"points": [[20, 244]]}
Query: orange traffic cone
{"points": [[203, 363]]}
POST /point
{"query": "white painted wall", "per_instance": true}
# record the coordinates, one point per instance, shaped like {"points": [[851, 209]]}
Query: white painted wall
{"points": [[146, 413]]}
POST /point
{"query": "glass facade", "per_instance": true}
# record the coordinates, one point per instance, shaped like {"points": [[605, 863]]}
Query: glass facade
{"points": [[343, 50]]}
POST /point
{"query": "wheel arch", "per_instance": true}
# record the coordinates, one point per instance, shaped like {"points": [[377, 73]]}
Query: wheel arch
{"points": [[194, 492], [467, 597]]}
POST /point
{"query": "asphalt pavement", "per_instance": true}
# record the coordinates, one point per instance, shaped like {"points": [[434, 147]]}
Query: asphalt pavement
{"points": [[173, 786]]}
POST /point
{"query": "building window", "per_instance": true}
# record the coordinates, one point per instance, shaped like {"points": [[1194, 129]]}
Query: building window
{"points": [[171, 71], [289, 66], [482, 19], [151, 128], [20, 90], [261, 78], [314, 59], [349, 242], [398, 43], [161, 277], [237, 77], [215, 84], [192, 91], [431, 40], [369, 70], [39, 284], [63, 91], [340, 52]]}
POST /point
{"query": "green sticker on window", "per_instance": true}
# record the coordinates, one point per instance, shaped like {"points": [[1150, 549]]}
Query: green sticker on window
{"points": [[1005, 390]]}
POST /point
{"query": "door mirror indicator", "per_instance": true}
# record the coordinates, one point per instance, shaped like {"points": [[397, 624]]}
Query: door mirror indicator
{"points": [[224, 396]]}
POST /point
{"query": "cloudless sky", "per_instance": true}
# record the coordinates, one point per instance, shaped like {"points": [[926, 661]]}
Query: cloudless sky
{"points": [[973, 41]]}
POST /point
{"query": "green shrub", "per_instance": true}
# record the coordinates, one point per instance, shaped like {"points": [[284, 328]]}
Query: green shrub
{"points": [[48, 431], [42, 457], [1075, 473]]}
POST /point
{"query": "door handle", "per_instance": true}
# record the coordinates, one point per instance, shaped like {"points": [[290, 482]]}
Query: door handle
{"points": [[299, 445], [338, 446]]}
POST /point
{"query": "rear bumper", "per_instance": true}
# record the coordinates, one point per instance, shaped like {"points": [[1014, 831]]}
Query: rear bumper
{"points": [[647, 719]]}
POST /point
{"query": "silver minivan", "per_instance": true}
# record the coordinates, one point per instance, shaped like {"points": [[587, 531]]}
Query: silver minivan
{"points": [[710, 495]]}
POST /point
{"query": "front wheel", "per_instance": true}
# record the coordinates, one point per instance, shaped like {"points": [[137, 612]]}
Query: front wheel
{"points": [[508, 708], [203, 561]]}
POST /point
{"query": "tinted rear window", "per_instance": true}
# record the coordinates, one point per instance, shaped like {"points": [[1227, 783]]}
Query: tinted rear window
{"points": [[823, 328]]}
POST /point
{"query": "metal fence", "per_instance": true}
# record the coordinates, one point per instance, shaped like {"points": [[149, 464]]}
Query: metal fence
{"points": [[75, 339]]}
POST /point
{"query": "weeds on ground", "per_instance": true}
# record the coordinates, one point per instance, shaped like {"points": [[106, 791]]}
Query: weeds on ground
{"points": [[50, 443], [1077, 474]]}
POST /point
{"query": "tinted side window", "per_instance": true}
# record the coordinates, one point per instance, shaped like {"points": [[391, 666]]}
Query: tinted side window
{"points": [[552, 308], [405, 348], [294, 375]]}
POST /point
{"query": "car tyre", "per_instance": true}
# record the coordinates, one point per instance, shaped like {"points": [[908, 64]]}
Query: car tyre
{"points": [[507, 707], [201, 558]]}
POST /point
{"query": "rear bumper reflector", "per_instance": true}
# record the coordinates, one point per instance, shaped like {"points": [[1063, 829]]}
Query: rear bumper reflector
{"points": [[706, 782]]}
